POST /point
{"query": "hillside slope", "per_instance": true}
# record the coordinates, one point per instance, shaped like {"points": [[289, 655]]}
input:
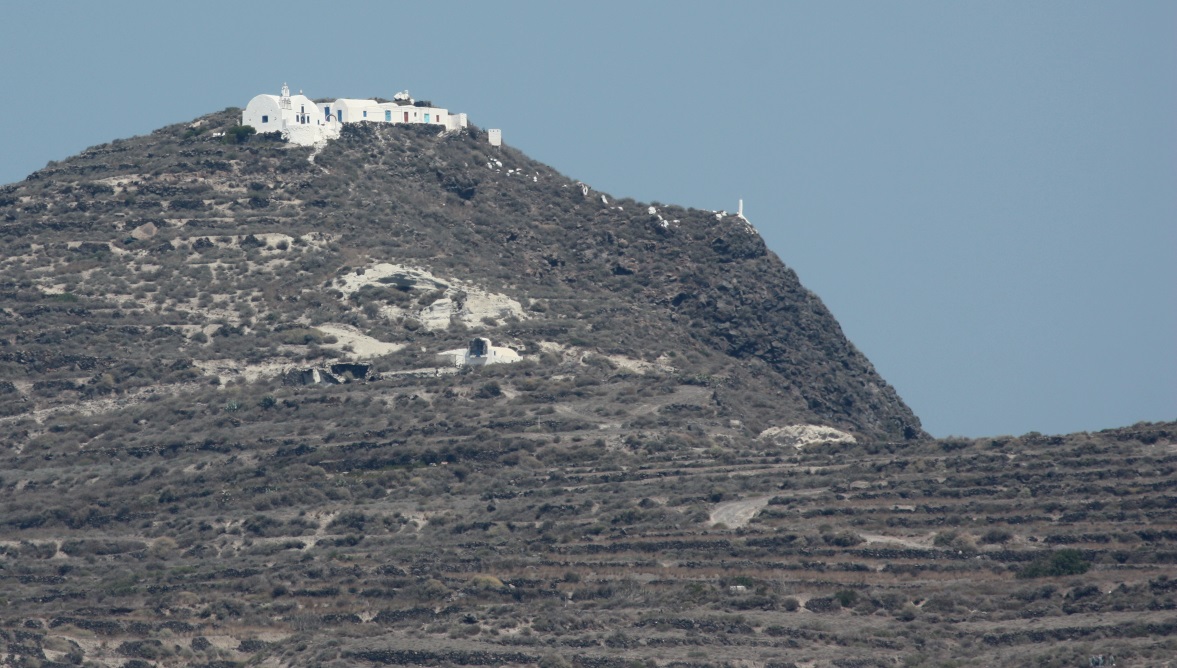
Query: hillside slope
{"points": [[175, 233], [229, 436]]}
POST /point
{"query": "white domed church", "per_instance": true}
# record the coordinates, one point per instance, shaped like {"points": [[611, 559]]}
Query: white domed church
{"points": [[275, 113]]}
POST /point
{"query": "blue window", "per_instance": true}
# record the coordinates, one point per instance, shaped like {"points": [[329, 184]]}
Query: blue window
{"points": [[365, 113], [426, 118], [340, 114], [387, 115], [265, 119]]}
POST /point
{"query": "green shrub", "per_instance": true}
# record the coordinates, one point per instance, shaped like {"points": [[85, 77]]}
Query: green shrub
{"points": [[944, 538], [239, 134], [843, 539], [1062, 562], [489, 391], [996, 536], [847, 597]]}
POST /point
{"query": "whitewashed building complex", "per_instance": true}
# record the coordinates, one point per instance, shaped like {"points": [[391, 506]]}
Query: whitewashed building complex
{"points": [[304, 121]]}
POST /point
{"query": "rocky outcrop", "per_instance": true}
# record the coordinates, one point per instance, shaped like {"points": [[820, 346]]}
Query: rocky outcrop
{"points": [[801, 435], [310, 376]]}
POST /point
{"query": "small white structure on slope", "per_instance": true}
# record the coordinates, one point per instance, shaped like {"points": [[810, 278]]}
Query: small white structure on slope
{"points": [[480, 352]]}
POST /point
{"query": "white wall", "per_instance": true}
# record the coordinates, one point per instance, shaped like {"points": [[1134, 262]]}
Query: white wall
{"points": [[259, 106], [311, 133], [323, 108], [437, 115], [353, 109], [395, 112], [303, 111], [494, 355]]}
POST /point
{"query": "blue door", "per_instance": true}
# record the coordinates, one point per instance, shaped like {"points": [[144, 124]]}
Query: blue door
{"points": [[387, 115]]}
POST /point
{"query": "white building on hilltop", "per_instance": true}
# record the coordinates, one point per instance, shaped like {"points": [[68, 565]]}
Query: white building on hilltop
{"points": [[303, 121], [403, 109], [275, 113]]}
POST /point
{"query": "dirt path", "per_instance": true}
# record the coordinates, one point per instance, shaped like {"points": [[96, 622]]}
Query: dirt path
{"points": [[915, 543], [735, 514]]}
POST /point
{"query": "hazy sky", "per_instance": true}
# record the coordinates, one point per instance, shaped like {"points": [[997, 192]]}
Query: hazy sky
{"points": [[984, 194]]}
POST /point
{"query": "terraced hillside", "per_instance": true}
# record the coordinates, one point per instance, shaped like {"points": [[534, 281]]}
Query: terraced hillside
{"points": [[528, 539], [229, 437]]}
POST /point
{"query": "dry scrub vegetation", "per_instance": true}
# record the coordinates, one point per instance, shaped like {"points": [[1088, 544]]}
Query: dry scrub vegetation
{"points": [[174, 492]]}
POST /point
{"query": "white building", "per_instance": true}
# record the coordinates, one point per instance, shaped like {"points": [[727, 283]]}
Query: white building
{"points": [[302, 121], [480, 352], [276, 113], [347, 110], [350, 110]]}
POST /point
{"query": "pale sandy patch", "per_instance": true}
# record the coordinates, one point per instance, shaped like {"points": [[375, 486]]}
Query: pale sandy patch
{"points": [[462, 301], [355, 343], [735, 514]]}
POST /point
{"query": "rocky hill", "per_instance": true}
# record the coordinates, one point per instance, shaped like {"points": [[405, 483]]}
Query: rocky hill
{"points": [[233, 432], [154, 242]]}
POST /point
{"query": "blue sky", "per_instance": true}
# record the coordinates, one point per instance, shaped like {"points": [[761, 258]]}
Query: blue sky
{"points": [[984, 194]]}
